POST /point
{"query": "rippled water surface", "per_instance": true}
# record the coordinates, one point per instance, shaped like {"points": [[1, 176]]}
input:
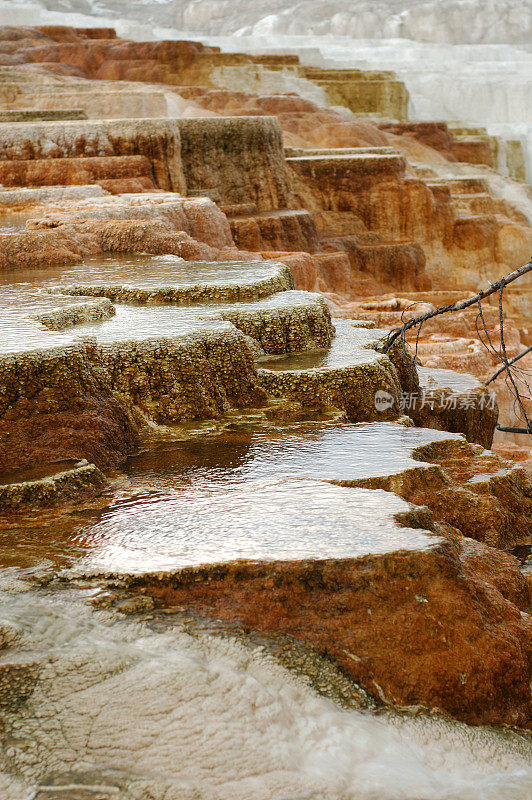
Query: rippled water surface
{"points": [[347, 349], [120, 702], [145, 270], [26, 293], [241, 494]]}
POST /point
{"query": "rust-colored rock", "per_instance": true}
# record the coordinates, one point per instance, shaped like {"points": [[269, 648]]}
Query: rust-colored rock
{"points": [[80, 171], [475, 491], [70, 413], [440, 628]]}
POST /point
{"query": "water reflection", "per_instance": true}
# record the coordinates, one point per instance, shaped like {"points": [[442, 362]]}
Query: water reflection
{"points": [[347, 349], [144, 270], [24, 294], [241, 494]]}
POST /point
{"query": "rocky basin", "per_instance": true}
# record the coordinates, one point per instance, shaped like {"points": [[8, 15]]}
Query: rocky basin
{"points": [[247, 549]]}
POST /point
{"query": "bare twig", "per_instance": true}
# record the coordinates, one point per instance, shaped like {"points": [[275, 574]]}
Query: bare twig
{"points": [[511, 361], [494, 287], [510, 429], [501, 354], [506, 364]]}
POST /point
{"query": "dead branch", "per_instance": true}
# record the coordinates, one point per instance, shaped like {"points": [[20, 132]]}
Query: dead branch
{"points": [[494, 287], [511, 429], [511, 361], [501, 353]]}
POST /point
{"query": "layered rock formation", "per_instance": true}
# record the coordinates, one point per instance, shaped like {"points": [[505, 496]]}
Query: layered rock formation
{"points": [[196, 396]]}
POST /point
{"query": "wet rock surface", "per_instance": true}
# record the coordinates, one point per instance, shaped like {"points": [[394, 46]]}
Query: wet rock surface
{"points": [[311, 601], [217, 491]]}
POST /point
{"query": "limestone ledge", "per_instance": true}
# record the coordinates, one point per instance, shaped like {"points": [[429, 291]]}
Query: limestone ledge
{"points": [[470, 488], [287, 322], [42, 115], [200, 363], [199, 375], [350, 166], [85, 390], [26, 319], [353, 611], [115, 173], [56, 404], [34, 369], [349, 376], [242, 158], [67, 316], [302, 152], [277, 278], [456, 402], [275, 230], [197, 216], [157, 139], [74, 483], [13, 198]]}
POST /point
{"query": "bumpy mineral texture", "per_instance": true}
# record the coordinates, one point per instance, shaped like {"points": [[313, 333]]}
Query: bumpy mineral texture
{"points": [[58, 405], [440, 627], [80, 481], [241, 160], [110, 147], [157, 141]]}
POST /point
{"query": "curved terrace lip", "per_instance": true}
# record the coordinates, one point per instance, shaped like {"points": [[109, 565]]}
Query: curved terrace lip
{"points": [[209, 476]]}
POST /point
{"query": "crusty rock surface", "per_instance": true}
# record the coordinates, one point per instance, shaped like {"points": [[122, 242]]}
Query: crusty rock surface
{"points": [[58, 405], [81, 481], [156, 140], [241, 159], [428, 628], [224, 171]]}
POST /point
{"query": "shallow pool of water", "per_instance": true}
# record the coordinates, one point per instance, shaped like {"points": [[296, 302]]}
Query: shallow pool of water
{"points": [[144, 271], [349, 347], [241, 494], [322, 452], [283, 521], [25, 293]]}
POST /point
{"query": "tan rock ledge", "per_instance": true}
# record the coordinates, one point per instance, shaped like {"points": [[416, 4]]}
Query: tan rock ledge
{"points": [[240, 157], [424, 627], [410, 611], [197, 216], [157, 139], [42, 115], [349, 375], [27, 197], [285, 322], [75, 483], [454, 401], [189, 282]]}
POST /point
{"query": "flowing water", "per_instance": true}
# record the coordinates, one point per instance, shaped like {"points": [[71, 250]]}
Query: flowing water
{"points": [[147, 706], [158, 712], [25, 294], [164, 714], [243, 494]]}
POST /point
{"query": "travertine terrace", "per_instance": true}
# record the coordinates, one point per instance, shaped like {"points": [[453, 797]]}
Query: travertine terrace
{"points": [[198, 415]]}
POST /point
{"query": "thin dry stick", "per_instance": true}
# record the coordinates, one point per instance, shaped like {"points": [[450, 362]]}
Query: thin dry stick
{"points": [[499, 287], [506, 364], [510, 362], [494, 287]]}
